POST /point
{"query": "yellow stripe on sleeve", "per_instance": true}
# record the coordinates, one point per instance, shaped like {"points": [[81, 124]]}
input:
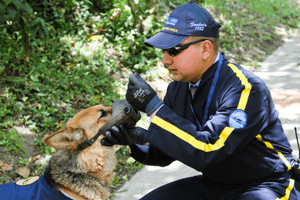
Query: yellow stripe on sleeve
{"points": [[270, 146], [246, 92], [242, 105], [288, 190], [190, 139]]}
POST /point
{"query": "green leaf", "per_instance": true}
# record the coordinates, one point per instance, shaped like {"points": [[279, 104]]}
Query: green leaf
{"points": [[33, 31], [87, 1], [12, 13], [2, 8], [24, 19], [35, 22], [2, 19], [125, 177], [41, 33], [42, 21], [4, 32], [49, 26], [17, 3], [130, 160], [46, 29], [27, 8]]}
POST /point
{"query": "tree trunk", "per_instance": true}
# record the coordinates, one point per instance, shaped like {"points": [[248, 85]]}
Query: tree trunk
{"points": [[134, 11], [25, 42]]}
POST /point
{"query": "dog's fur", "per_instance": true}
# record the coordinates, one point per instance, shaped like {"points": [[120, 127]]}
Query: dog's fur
{"points": [[75, 172], [82, 174], [68, 165]]}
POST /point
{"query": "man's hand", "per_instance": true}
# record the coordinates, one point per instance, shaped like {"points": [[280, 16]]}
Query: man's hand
{"points": [[122, 135], [141, 95]]}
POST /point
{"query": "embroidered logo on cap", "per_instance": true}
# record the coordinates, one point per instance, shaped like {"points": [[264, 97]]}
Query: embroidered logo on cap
{"points": [[170, 29], [27, 181], [172, 21], [238, 119], [199, 26]]}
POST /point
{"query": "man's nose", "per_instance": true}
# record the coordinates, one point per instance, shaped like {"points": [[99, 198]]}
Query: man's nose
{"points": [[167, 59]]}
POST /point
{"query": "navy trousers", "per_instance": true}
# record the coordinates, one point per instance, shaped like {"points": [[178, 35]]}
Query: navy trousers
{"points": [[282, 187]]}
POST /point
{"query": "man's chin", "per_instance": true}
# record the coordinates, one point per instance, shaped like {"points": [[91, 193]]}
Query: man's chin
{"points": [[176, 77]]}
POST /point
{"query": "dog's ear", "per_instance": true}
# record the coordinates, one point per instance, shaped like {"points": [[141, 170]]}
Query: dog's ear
{"points": [[67, 138]]}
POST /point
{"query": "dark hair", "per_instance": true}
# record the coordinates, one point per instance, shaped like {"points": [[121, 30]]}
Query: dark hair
{"points": [[215, 41]]}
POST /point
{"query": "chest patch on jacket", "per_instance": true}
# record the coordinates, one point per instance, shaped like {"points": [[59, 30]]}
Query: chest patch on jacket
{"points": [[237, 119]]}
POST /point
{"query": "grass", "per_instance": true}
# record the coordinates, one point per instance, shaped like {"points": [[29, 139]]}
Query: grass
{"points": [[125, 169], [250, 24], [12, 141]]}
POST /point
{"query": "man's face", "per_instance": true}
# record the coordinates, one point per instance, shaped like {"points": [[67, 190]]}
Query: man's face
{"points": [[188, 65]]}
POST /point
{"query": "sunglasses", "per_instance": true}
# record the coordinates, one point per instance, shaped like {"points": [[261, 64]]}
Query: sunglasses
{"points": [[179, 48]]}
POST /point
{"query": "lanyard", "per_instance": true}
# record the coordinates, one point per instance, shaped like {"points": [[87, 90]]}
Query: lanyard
{"points": [[210, 94]]}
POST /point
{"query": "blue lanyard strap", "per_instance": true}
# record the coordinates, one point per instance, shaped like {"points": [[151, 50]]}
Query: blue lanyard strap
{"points": [[210, 94]]}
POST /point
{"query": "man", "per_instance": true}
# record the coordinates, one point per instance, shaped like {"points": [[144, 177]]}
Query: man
{"points": [[227, 128]]}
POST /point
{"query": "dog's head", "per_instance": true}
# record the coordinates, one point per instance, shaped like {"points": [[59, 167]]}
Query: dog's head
{"points": [[83, 126], [96, 159]]}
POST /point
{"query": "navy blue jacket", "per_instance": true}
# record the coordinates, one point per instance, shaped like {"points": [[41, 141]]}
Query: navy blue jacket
{"points": [[39, 190], [242, 141]]}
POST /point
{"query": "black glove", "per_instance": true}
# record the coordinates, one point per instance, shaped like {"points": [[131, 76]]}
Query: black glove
{"points": [[141, 95], [122, 135]]}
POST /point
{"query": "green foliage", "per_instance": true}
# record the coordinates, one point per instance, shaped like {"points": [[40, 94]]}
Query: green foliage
{"points": [[10, 9], [125, 168], [101, 6], [12, 142], [44, 148], [16, 11], [128, 41], [252, 24]]}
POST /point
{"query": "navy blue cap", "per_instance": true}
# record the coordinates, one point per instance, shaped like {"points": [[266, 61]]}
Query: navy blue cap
{"points": [[186, 20]]}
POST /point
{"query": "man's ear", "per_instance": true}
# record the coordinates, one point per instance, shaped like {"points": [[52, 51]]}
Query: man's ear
{"points": [[207, 49], [67, 138]]}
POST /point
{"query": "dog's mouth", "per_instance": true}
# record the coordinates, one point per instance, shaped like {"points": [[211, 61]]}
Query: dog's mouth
{"points": [[90, 142]]}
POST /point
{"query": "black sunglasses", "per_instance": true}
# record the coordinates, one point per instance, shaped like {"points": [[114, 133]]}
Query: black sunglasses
{"points": [[179, 48]]}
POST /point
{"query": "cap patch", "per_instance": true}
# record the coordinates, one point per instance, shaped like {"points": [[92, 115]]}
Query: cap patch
{"points": [[198, 26], [238, 119], [172, 21], [170, 29], [27, 181]]}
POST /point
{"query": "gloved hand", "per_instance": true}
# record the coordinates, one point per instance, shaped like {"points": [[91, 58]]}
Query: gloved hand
{"points": [[141, 95], [122, 135]]}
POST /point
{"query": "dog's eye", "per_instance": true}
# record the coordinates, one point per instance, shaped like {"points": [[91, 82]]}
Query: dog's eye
{"points": [[103, 114]]}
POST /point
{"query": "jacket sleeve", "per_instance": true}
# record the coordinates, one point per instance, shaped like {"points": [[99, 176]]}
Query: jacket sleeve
{"points": [[149, 154], [241, 114]]}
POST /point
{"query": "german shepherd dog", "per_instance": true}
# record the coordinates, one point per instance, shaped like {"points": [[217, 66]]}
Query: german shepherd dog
{"points": [[71, 173]]}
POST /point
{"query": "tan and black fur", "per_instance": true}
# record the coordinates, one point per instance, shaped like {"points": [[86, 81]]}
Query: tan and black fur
{"points": [[84, 174]]}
